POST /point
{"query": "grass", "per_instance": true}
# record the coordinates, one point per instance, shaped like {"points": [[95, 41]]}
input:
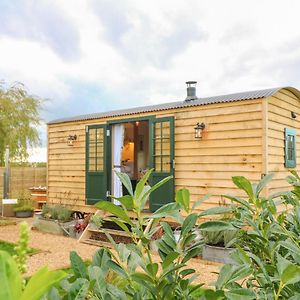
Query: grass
{"points": [[10, 248], [4, 222]]}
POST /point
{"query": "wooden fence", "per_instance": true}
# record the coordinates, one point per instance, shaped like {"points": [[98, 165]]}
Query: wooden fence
{"points": [[22, 178]]}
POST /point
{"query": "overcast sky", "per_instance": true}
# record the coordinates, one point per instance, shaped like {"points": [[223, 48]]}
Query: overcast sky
{"points": [[95, 55]]}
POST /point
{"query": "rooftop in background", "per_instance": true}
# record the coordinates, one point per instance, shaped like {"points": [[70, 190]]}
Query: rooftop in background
{"points": [[250, 95]]}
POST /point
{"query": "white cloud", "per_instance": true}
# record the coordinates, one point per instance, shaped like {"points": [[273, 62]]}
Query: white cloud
{"points": [[141, 52], [38, 154]]}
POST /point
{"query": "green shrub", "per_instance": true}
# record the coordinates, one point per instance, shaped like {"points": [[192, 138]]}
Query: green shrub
{"points": [[57, 212], [222, 238], [23, 208], [96, 220], [24, 202], [268, 258]]}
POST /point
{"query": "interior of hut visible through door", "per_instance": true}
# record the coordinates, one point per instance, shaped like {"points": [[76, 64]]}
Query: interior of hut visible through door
{"points": [[130, 153]]}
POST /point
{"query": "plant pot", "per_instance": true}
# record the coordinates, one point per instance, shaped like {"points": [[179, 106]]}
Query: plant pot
{"points": [[24, 214], [53, 226], [217, 254]]}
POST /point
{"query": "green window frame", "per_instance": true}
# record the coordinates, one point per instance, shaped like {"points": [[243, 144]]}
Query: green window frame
{"points": [[290, 148]]}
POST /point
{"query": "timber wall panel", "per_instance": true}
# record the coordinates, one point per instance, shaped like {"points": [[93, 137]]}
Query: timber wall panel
{"points": [[231, 145], [279, 117]]}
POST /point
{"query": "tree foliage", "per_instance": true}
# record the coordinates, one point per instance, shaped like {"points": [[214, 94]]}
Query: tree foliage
{"points": [[19, 118]]}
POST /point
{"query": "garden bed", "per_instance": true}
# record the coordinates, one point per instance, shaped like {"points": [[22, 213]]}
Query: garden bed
{"points": [[10, 248]]}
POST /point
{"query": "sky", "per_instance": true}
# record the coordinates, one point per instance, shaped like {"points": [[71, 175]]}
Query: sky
{"points": [[85, 56]]}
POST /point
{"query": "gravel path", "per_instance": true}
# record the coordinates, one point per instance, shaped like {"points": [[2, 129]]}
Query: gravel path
{"points": [[55, 252]]}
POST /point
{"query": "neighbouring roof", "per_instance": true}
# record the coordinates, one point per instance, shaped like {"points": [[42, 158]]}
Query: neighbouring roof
{"points": [[250, 95]]}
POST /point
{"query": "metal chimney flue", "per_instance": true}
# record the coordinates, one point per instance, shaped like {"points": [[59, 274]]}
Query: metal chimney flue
{"points": [[191, 90]]}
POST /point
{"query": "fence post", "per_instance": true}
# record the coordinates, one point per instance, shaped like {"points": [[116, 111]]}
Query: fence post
{"points": [[6, 175]]}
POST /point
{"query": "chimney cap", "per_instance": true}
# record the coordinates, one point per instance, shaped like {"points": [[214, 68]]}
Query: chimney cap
{"points": [[191, 90], [191, 82]]}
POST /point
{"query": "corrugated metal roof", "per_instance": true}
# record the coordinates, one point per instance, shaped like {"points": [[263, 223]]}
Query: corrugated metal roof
{"points": [[179, 104]]}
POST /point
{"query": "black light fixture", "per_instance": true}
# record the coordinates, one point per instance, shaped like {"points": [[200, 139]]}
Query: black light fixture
{"points": [[198, 130], [71, 139], [293, 115]]}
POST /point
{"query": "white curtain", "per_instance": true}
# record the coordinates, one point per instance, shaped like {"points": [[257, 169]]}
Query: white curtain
{"points": [[118, 140]]}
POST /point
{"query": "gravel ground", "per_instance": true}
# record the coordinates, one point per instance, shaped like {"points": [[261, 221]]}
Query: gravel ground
{"points": [[55, 252]]}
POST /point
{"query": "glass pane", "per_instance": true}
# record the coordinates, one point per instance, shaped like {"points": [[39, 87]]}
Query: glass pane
{"points": [[166, 146], [100, 135], [157, 163], [92, 164], [166, 166], [157, 147], [166, 130], [92, 135], [99, 164], [100, 152], [157, 130], [290, 145]]}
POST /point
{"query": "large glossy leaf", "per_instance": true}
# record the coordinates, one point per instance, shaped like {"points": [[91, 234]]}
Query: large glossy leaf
{"points": [[100, 259], [188, 223], [98, 277], [117, 268], [125, 179], [40, 283], [79, 289], [183, 198], [78, 265], [241, 201], [191, 253], [241, 293], [224, 276], [169, 259], [244, 184], [165, 210], [291, 274], [155, 187], [141, 184], [216, 226], [262, 184], [152, 268], [115, 210], [126, 200], [10, 278], [217, 210], [200, 201]]}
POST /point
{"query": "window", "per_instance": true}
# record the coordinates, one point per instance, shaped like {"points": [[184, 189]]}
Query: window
{"points": [[95, 148], [290, 148]]}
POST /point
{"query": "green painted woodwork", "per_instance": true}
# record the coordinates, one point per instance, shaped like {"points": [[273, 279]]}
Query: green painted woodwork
{"points": [[96, 165], [162, 160], [290, 148]]}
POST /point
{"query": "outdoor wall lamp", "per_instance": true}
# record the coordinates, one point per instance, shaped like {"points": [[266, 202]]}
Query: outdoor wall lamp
{"points": [[293, 115], [71, 139], [198, 130]]}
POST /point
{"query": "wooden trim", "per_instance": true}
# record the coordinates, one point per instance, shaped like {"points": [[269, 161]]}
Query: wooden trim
{"points": [[265, 156], [48, 162], [128, 120]]}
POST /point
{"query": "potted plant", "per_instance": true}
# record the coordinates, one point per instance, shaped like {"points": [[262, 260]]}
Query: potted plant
{"points": [[218, 245], [96, 222], [56, 219], [24, 211], [24, 208]]}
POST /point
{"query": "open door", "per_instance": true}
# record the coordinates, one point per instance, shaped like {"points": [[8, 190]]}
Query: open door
{"points": [[96, 170], [162, 160]]}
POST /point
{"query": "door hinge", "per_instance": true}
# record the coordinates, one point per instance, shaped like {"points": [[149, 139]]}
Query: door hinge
{"points": [[107, 193], [173, 163], [107, 132]]}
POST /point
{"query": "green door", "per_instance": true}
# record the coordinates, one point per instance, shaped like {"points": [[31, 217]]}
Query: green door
{"points": [[162, 160], [96, 171]]}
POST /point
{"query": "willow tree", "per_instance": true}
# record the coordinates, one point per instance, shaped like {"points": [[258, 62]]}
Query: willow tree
{"points": [[19, 118]]}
